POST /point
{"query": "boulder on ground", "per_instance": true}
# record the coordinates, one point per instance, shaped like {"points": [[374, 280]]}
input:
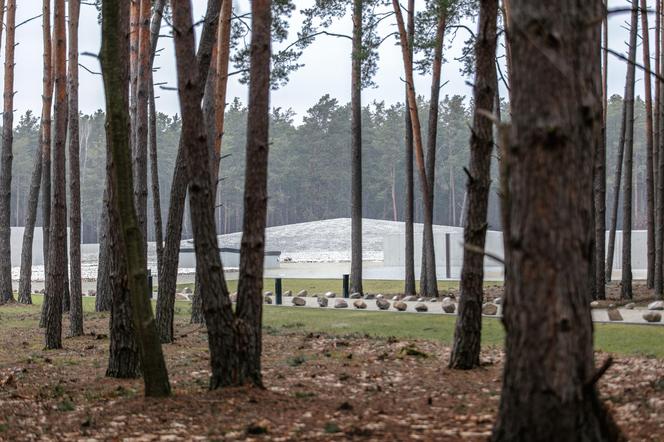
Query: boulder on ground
{"points": [[400, 305], [340, 303], [356, 295], [629, 306], [187, 290], [433, 299], [498, 301], [395, 298], [421, 299], [322, 302], [448, 305], [614, 314], [409, 298], [330, 295], [594, 304], [369, 296], [382, 304], [421, 307], [288, 293], [299, 301], [489, 309], [652, 316], [268, 300], [657, 305], [92, 293], [360, 304], [380, 296], [302, 293], [182, 297]]}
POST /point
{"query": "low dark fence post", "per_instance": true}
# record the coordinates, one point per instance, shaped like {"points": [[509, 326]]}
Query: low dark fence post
{"points": [[277, 290], [448, 265], [345, 288], [149, 283]]}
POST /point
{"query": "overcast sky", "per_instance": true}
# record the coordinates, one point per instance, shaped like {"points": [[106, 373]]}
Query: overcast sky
{"points": [[326, 70]]}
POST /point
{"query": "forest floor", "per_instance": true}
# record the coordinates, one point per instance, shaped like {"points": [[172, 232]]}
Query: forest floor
{"points": [[342, 376]]}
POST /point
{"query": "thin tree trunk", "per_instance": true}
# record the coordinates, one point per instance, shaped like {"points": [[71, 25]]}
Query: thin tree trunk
{"points": [[128, 240], [393, 191], [168, 271], [25, 279], [216, 86], [626, 282], [415, 119], [104, 296], [428, 278], [356, 151], [140, 151], [468, 331], [549, 384], [6, 291], [76, 292], [57, 259], [600, 177], [650, 186], [409, 207], [659, 204]]}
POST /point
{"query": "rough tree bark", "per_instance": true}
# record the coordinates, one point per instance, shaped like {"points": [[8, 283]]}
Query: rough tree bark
{"points": [[600, 179], [626, 281], [356, 152], [75, 290], [140, 151], [650, 185], [104, 296], [168, 270], [234, 340], [428, 276], [25, 279], [6, 291], [409, 207], [58, 233], [549, 383], [128, 240], [468, 331], [659, 146], [217, 85]]}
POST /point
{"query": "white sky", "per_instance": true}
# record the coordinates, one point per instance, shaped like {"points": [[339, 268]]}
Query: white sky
{"points": [[326, 70]]}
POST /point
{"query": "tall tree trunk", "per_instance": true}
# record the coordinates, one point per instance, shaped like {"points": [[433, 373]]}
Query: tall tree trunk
{"points": [[25, 279], [549, 383], [104, 298], [468, 331], [155, 27], [356, 152], [128, 240], [216, 87], [76, 292], [659, 163], [234, 341], [650, 186], [168, 271], [626, 282], [57, 259], [140, 150], [6, 291], [252, 249], [409, 207], [428, 277], [415, 119], [600, 176]]}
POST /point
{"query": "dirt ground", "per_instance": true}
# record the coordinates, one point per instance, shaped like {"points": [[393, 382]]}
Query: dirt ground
{"points": [[318, 387]]}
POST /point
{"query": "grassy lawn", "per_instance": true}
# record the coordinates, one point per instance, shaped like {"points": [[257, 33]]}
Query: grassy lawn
{"points": [[335, 285], [624, 339]]}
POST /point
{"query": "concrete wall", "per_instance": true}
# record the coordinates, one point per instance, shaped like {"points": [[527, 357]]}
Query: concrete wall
{"points": [[394, 252]]}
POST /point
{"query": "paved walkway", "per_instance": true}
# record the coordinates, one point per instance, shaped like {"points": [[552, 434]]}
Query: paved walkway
{"points": [[599, 315]]}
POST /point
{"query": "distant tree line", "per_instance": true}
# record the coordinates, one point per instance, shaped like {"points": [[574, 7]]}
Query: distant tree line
{"points": [[310, 164]]}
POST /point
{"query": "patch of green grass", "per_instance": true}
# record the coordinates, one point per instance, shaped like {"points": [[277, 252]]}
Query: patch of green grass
{"points": [[625, 339]]}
